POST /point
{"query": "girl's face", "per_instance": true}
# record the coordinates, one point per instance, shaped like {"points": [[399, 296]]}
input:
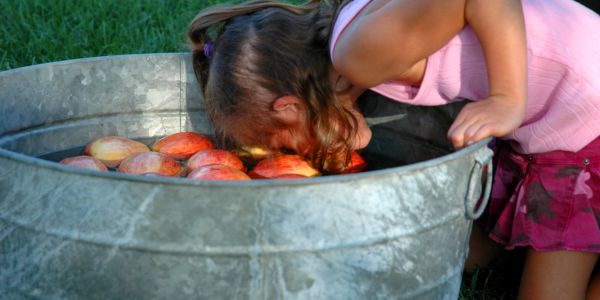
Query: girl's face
{"points": [[348, 94], [298, 143], [364, 132], [294, 138]]}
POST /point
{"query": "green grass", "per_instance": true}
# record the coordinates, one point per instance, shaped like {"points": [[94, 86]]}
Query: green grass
{"points": [[488, 284], [39, 31]]}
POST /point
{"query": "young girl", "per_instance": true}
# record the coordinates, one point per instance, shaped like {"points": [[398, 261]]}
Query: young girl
{"points": [[286, 76]]}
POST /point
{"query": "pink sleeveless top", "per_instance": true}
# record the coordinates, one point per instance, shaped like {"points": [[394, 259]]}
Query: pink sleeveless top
{"points": [[563, 106]]}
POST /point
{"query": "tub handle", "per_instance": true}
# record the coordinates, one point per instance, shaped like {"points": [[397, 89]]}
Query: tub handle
{"points": [[471, 200]]}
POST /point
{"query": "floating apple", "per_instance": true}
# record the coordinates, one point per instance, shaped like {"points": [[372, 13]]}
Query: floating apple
{"points": [[289, 176], [85, 162], [356, 164], [182, 145], [152, 174], [283, 164], [150, 163], [111, 150], [218, 172], [215, 156], [254, 154]]}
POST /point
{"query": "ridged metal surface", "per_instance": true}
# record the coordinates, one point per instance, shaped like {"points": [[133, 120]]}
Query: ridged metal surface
{"points": [[66, 233]]}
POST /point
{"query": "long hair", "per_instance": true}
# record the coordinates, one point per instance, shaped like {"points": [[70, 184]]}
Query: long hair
{"points": [[263, 50]]}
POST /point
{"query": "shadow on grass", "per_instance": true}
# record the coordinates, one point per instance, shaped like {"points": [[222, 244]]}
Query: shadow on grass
{"points": [[500, 281]]}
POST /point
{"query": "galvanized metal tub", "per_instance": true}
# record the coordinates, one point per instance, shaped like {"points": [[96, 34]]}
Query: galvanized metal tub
{"points": [[67, 233]]}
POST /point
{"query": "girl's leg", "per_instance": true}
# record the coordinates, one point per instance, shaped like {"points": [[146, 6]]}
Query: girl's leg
{"points": [[556, 275], [593, 291], [482, 250]]}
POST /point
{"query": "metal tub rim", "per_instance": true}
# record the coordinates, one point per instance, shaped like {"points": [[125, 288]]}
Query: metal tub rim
{"points": [[29, 160], [38, 162], [90, 59]]}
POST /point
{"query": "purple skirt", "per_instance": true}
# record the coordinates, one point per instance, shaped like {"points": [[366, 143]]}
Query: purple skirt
{"points": [[548, 201]]}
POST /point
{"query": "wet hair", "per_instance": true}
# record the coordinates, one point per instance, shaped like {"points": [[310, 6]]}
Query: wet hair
{"points": [[262, 50]]}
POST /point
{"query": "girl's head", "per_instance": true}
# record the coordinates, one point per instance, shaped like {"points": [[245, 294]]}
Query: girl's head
{"points": [[267, 81]]}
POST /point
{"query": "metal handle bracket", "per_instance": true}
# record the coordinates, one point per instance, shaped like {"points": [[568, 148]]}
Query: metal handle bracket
{"points": [[484, 159]]}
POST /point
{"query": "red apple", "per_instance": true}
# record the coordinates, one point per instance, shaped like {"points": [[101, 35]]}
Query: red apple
{"points": [[217, 172], [215, 156], [289, 176], [182, 145], [111, 150], [356, 164], [284, 164], [150, 162], [85, 162], [254, 154]]}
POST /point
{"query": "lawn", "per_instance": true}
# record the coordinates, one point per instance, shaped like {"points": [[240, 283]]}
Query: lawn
{"points": [[39, 31]]}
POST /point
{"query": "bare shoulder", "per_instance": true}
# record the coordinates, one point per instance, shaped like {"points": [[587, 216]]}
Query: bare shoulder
{"points": [[389, 37]]}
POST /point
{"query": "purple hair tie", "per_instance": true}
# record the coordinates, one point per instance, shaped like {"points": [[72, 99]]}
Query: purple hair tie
{"points": [[208, 49]]}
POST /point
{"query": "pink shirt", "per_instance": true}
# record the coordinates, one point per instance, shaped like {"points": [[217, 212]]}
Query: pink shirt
{"points": [[563, 105]]}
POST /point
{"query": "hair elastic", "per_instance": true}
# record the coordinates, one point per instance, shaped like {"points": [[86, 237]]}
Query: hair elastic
{"points": [[208, 49]]}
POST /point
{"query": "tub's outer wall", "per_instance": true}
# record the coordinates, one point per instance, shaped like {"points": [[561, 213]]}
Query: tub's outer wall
{"points": [[151, 83], [90, 92], [66, 234]]}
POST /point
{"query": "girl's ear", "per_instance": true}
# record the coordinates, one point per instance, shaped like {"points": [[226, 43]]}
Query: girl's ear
{"points": [[290, 109]]}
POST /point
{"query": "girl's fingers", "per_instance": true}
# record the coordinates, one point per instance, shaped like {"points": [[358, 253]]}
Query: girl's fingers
{"points": [[464, 120], [456, 136], [460, 132], [483, 131], [458, 121], [467, 134], [470, 133]]}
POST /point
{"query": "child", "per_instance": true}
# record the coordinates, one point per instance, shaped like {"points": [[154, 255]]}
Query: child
{"points": [[286, 76]]}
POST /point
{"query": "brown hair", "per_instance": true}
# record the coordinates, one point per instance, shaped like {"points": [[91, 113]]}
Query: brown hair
{"points": [[264, 50]]}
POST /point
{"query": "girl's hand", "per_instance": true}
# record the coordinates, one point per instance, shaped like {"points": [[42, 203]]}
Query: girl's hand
{"points": [[495, 116]]}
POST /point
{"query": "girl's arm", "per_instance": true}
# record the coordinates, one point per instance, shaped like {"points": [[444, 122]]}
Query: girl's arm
{"points": [[500, 28], [387, 40]]}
